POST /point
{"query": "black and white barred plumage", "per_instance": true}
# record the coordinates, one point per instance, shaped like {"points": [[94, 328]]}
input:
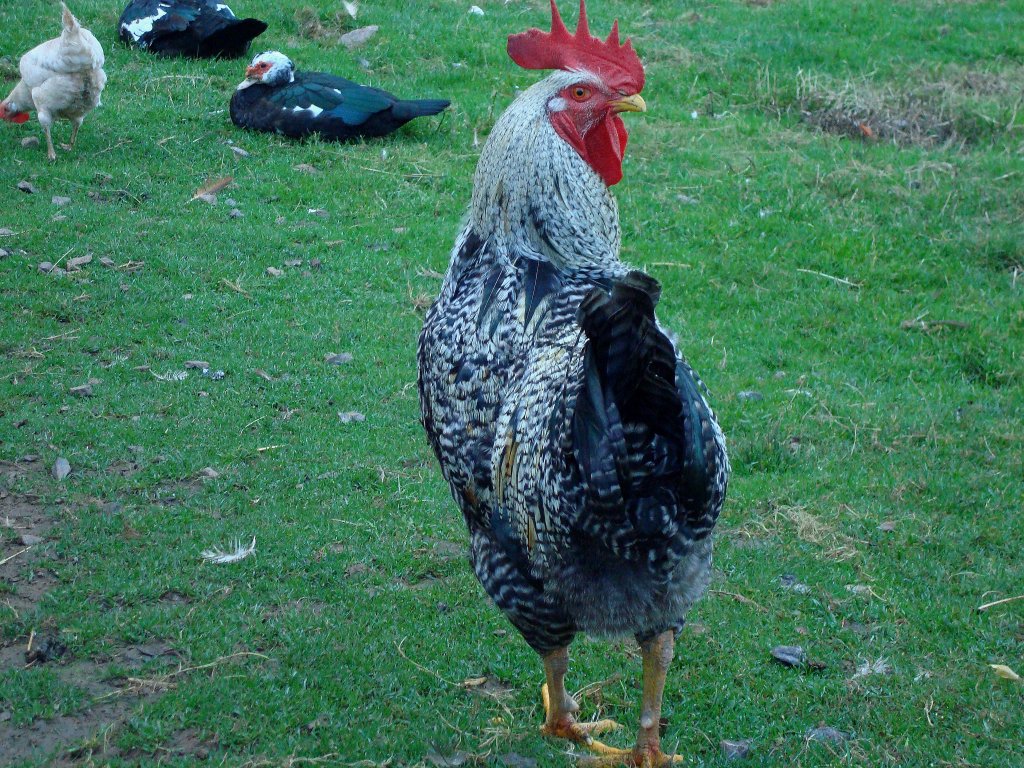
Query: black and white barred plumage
{"points": [[576, 439]]}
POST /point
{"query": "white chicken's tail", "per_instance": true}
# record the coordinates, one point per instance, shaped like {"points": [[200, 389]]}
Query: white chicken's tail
{"points": [[79, 49], [71, 25]]}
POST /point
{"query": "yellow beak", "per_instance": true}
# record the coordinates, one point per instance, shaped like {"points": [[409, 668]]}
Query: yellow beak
{"points": [[634, 103]]}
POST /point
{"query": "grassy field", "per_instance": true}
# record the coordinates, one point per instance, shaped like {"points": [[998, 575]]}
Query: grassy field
{"points": [[832, 197]]}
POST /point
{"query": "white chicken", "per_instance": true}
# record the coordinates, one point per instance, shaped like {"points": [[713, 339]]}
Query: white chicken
{"points": [[60, 79]]}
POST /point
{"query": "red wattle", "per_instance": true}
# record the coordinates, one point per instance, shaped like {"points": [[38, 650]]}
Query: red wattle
{"points": [[602, 148]]}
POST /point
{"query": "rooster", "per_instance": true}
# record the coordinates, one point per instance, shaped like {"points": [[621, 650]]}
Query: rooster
{"points": [[60, 79], [576, 439]]}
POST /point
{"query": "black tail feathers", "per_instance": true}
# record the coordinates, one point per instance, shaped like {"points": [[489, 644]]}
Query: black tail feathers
{"points": [[407, 110], [634, 359], [232, 40]]}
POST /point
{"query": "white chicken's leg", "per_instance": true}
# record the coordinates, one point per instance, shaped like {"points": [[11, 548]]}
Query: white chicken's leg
{"points": [[46, 120], [560, 708], [74, 132]]}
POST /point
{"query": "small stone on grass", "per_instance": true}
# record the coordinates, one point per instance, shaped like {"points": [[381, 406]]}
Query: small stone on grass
{"points": [[61, 468], [735, 750], [789, 655], [827, 734]]}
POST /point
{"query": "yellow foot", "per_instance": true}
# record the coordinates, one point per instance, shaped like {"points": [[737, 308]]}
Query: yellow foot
{"points": [[563, 725], [630, 758]]}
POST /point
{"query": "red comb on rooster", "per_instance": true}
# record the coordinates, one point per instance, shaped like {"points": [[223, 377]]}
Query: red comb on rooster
{"points": [[618, 65]]}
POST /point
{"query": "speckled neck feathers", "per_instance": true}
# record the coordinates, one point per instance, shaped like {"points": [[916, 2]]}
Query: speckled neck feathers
{"points": [[533, 193]]}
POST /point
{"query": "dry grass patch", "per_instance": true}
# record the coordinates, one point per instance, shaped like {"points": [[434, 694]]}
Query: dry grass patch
{"points": [[959, 106], [312, 26], [804, 524]]}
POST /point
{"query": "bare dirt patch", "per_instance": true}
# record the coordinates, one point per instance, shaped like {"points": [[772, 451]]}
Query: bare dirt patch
{"points": [[24, 528], [109, 700], [26, 525]]}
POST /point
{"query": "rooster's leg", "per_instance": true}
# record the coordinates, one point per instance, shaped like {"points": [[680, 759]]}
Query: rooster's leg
{"points": [[560, 708], [657, 655]]}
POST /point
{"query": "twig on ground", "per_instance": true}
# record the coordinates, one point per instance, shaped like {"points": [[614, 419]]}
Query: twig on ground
{"points": [[420, 667], [980, 608], [742, 598], [165, 681], [6, 560], [840, 280]]}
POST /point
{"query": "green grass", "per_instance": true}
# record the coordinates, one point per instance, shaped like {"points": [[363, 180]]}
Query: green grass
{"points": [[897, 398]]}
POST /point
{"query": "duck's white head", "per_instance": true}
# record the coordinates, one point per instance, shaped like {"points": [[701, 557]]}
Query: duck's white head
{"points": [[269, 68]]}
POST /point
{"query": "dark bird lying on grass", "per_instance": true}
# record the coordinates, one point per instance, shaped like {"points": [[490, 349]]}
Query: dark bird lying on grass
{"points": [[274, 97], [197, 28], [61, 79], [574, 435]]}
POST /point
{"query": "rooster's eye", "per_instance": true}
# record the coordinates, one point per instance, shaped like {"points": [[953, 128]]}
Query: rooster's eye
{"points": [[580, 93]]}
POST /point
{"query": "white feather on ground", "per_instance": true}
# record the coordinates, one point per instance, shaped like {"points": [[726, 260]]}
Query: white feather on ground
{"points": [[240, 552]]}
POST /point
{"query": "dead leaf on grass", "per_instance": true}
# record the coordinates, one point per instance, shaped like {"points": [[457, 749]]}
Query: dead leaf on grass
{"points": [[213, 187], [358, 37], [78, 262], [1005, 672], [350, 417]]}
